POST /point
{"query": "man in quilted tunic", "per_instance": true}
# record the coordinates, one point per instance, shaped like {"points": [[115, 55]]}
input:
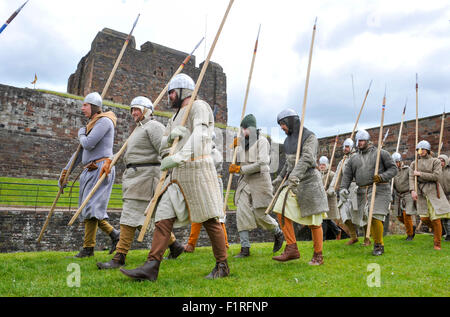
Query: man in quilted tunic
{"points": [[191, 192]]}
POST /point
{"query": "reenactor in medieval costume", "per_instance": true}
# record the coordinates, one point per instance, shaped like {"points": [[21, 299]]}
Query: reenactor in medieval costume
{"points": [[351, 216], [361, 167], [96, 141], [191, 193], [254, 190], [142, 170], [303, 198], [196, 227], [432, 205], [333, 213], [444, 180], [403, 204]]}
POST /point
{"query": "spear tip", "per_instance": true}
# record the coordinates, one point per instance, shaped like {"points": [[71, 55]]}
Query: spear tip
{"points": [[370, 84]]}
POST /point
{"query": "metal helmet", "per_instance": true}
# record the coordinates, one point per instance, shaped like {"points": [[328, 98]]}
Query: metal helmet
{"points": [[362, 135], [348, 142], [286, 113], [323, 160], [397, 157], [141, 103], [93, 98], [423, 145], [181, 81]]}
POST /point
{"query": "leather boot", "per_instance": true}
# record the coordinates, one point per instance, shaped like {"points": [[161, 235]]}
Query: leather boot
{"points": [[278, 241], [117, 261], [351, 241], [245, 252], [409, 238], [290, 253], [148, 271], [317, 259], [189, 248], [220, 270], [85, 252], [378, 249], [114, 235], [176, 249], [366, 242]]}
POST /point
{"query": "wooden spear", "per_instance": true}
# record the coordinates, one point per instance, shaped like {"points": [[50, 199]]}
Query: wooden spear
{"points": [[331, 161], [417, 131], [377, 164], [442, 133], [124, 146], [230, 177], [299, 143], [151, 206], [351, 137], [105, 89]]}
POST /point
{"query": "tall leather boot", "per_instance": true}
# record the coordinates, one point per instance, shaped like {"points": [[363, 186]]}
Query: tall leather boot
{"points": [[148, 271], [85, 252], [220, 270], [290, 253], [115, 236], [278, 241], [117, 261], [176, 249]]}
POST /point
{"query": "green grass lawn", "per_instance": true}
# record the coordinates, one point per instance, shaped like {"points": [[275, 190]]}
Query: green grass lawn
{"points": [[406, 269]]}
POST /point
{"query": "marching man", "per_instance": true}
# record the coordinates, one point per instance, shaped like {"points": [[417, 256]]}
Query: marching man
{"points": [[403, 204], [432, 205], [96, 140], [191, 193], [361, 167], [254, 190], [303, 200]]}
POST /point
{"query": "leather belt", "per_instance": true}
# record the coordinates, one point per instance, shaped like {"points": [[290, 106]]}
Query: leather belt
{"points": [[92, 165], [131, 165]]}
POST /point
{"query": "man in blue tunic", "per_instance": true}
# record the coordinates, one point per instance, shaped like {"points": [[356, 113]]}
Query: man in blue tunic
{"points": [[96, 140]]}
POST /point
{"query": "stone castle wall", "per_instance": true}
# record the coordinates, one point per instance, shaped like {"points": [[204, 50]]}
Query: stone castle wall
{"points": [[143, 72]]}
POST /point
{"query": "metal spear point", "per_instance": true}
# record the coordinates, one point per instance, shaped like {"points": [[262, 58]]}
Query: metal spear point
{"points": [[12, 17]]}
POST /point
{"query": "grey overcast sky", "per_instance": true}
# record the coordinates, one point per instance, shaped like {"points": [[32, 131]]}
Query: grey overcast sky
{"points": [[381, 40]]}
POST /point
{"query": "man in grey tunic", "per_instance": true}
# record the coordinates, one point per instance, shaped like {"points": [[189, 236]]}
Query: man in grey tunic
{"points": [[361, 167], [191, 192], [348, 207], [254, 190], [142, 162], [96, 140]]}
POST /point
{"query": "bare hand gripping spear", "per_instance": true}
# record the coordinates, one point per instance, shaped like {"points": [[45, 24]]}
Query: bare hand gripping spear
{"points": [[152, 205], [105, 89]]}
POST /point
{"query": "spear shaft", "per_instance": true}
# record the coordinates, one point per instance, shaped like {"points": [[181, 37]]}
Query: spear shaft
{"points": [[331, 161], [124, 146], [12, 17], [299, 142], [152, 205], [417, 131], [377, 164], [442, 133], [230, 177]]}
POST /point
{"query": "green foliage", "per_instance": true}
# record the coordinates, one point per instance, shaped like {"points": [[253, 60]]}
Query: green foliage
{"points": [[407, 269]]}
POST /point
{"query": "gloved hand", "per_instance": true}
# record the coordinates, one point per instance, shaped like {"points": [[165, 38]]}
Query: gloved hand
{"points": [[81, 131], [106, 168], [377, 179], [61, 183], [178, 131], [343, 194], [234, 168], [168, 162], [330, 191]]}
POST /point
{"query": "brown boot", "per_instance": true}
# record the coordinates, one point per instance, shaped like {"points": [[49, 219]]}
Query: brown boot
{"points": [[175, 250], [220, 270], [352, 241], [437, 245], [290, 253], [245, 252], [189, 248], [85, 252], [148, 271], [366, 242], [117, 261], [317, 259]]}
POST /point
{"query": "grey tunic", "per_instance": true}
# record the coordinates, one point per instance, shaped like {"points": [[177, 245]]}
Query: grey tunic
{"points": [[402, 197], [139, 182], [444, 179], [254, 190], [333, 213], [98, 144], [361, 166]]}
